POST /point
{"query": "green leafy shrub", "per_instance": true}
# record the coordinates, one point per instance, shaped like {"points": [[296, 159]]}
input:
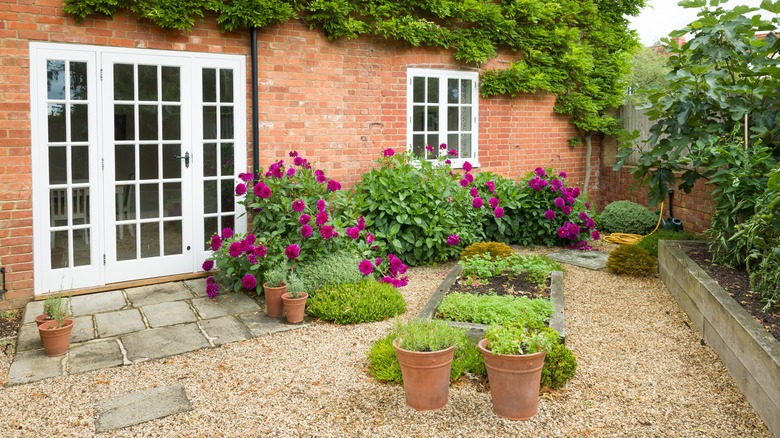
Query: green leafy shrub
{"points": [[627, 217], [383, 364], [631, 260], [496, 250], [354, 303], [331, 269], [494, 309], [560, 364], [650, 242]]}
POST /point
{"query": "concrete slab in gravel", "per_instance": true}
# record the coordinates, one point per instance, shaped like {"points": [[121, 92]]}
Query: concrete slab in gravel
{"points": [[158, 293], [28, 338], [140, 407], [119, 323], [162, 342], [225, 304], [225, 329], [94, 356], [163, 314], [83, 329], [259, 324], [97, 303], [585, 259], [30, 366], [33, 309]]}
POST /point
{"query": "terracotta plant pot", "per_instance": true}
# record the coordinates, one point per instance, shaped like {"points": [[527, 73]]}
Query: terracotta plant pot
{"points": [[514, 382], [274, 307], [294, 307], [426, 376], [40, 319], [55, 339]]}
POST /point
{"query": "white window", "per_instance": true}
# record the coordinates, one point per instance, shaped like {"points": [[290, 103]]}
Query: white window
{"points": [[443, 107]]}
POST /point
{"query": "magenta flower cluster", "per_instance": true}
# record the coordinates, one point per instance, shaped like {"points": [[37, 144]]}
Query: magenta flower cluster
{"points": [[392, 270], [573, 229]]}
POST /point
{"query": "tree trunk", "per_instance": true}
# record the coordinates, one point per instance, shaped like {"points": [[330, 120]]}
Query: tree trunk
{"points": [[588, 152]]}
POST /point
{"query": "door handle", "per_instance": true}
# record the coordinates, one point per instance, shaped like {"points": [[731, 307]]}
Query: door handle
{"points": [[186, 158]]}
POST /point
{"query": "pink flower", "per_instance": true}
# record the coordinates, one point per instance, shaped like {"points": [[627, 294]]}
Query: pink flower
{"points": [[208, 265], [298, 205], [361, 223], [464, 182], [291, 171], [556, 185], [304, 219], [320, 205], [260, 251], [250, 238], [467, 166], [306, 231], [235, 249], [245, 177], [429, 148], [212, 290], [293, 153], [298, 161], [477, 202], [265, 192], [333, 185], [389, 152], [447, 161], [469, 177], [493, 202], [366, 268], [240, 189], [292, 251], [491, 186], [443, 146], [559, 202], [566, 209], [327, 232], [474, 192], [321, 219], [453, 240], [498, 212], [562, 175], [595, 235], [378, 261], [320, 176], [452, 152], [216, 242], [252, 259], [227, 233], [369, 238], [249, 282], [540, 172], [549, 215], [353, 232]]}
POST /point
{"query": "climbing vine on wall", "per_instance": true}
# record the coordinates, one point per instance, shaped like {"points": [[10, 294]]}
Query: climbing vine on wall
{"points": [[578, 50]]}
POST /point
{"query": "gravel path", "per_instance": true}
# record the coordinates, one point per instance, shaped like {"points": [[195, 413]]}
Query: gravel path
{"points": [[642, 371]]}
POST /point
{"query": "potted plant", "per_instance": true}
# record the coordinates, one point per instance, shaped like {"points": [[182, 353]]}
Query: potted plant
{"points": [[425, 349], [295, 300], [55, 333], [274, 287], [514, 355], [51, 301]]}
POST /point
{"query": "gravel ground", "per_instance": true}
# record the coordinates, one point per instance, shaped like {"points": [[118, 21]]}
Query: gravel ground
{"points": [[642, 371]]}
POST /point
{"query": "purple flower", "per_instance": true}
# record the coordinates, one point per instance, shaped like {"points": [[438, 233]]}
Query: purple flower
{"points": [[245, 177], [252, 259], [477, 202], [227, 233], [235, 249], [304, 219], [498, 212], [589, 223], [298, 205], [568, 199], [389, 152], [293, 153], [549, 215], [260, 251], [452, 152], [453, 240], [240, 189], [321, 219], [251, 238], [562, 232], [467, 166], [366, 267], [361, 223], [587, 205], [306, 231], [249, 282], [429, 148], [298, 161], [493, 202], [562, 175], [469, 177], [556, 185], [443, 146], [566, 209], [264, 192], [474, 192], [212, 290], [491, 186], [353, 232], [537, 183], [334, 185], [464, 182], [559, 202], [447, 161], [327, 232], [291, 171], [583, 215], [320, 205], [595, 235], [540, 172], [369, 238], [378, 261], [320, 176], [208, 265], [216, 242], [292, 251]]}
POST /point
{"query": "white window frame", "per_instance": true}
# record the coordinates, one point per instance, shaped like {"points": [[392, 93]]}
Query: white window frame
{"points": [[443, 76]]}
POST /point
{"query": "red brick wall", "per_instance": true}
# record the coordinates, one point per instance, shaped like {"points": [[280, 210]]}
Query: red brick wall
{"points": [[339, 103]]}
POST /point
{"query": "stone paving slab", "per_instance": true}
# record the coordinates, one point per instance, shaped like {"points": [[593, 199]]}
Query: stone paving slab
{"points": [[94, 356], [119, 323], [159, 293], [594, 260], [171, 313], [29, 366], [198, 287], [98, 303], [225, 329], [260, 324], [28, 338], [140, 407], [33, 309], [162, 342], [83, 329], [225, 304]]}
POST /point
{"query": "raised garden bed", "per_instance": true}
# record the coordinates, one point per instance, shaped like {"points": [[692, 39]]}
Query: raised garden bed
{"points": [[476, 331], [748, 351]]}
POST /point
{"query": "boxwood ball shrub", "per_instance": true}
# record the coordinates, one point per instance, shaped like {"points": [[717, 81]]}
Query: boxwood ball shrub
{"points": [[631, 260], [627, 217], [354, 303], [560, 364], [332, 269], [650, 242], [496, 250]]}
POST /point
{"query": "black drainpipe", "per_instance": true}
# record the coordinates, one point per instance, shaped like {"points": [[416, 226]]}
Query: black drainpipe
{"points": [[255, 115], [3, 290]]}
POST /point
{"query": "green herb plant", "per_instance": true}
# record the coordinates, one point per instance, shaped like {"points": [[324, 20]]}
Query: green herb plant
{"points": [[57, 307], [537, 268], [518, 338], [357, 302], [277, 276], [295, 286], [421, 335], [494, 309]]}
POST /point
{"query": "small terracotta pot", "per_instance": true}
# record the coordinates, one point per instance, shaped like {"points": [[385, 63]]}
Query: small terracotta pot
{"points": [[426, 376], [274, 307], [295, 307], [55, 339], [43, 317], [514, 382]]}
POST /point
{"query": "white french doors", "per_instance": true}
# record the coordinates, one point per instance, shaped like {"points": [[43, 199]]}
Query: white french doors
{"points": [[134, 157]]}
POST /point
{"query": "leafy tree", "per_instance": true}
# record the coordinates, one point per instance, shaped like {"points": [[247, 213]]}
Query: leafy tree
{"points": [[648, 69]]}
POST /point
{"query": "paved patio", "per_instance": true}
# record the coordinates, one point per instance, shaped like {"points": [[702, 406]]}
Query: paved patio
{"points": [[128, 326]]}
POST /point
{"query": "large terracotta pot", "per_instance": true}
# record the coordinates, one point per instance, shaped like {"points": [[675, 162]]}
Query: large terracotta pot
{"points": [[514, 382], [55, 339], [274, 307], [426, 376], [294, 307]]}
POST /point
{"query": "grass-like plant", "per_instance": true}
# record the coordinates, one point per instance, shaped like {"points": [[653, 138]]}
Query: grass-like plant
{"points": [[421, 335], [356, 302], [494, 309], [57, 308]]}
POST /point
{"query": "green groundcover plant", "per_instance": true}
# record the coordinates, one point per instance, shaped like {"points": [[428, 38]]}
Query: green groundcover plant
{"points": [[495, 309], [536, 267], [355, 303]]}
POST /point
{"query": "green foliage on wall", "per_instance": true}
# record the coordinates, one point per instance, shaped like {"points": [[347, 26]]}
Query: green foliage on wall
{"points": [[579, 50]]}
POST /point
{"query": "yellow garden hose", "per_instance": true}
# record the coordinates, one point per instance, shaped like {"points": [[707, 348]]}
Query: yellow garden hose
{"points": [[630, 239]]}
